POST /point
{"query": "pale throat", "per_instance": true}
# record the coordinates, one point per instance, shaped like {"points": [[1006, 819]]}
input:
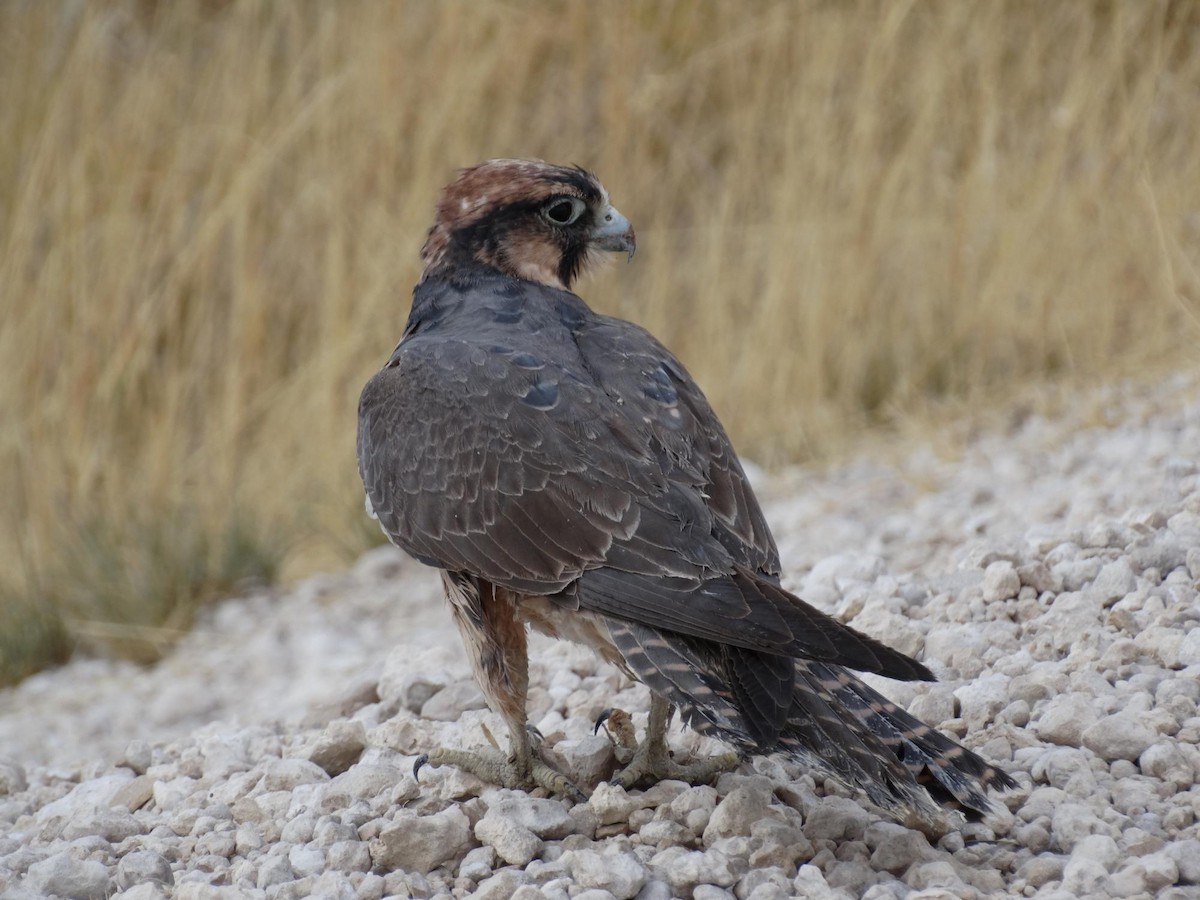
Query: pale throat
{"points": [[534, 260]]}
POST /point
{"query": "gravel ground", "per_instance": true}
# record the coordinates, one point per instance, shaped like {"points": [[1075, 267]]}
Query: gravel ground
{"points": [[1047, 570]]}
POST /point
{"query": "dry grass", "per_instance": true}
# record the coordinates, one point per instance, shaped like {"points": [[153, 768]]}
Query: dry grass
{"points": [[210, 212]]}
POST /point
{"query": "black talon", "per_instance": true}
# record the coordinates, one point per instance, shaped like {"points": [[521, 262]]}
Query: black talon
{"points": [[420, 761], [603, 719], [534, 732]]}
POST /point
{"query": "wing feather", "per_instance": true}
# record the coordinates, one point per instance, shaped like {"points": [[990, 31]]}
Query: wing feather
{"points": [[518, 436]]}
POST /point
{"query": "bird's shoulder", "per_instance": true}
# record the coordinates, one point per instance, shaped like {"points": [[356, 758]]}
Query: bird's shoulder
{"points": [[502, 389], [494, 340], [485, 327]]}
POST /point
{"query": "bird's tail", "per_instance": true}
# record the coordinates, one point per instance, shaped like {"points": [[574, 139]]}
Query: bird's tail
{"points": [[820, 714], [913, 762]]}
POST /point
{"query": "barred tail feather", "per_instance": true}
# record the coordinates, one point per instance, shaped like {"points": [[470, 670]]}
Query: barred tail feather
{"points": [[819, 714], [673, 670], [953, 775]]}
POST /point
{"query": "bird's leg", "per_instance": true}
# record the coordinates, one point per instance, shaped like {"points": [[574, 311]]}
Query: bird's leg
{"points": [[651, 760], [522, 768], [618, 725], [495, 640]]}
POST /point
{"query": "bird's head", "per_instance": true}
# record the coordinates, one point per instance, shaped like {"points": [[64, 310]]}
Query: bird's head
{"points": [[525, 218]]}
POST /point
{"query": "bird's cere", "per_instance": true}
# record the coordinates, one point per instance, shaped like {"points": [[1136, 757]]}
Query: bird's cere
{"points": [[613, 232]]}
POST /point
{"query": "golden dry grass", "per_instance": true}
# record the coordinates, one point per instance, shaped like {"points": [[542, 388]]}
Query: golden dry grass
{"points": [[210, 213]]}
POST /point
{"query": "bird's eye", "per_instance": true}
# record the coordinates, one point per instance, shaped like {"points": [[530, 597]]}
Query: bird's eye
{"points": [[564, 210]]}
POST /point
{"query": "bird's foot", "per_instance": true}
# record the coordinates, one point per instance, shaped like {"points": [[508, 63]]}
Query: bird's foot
{"points": [[496, 767], [650, 761]]}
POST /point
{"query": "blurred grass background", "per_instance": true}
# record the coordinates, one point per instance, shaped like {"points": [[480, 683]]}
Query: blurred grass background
{"points": [[849, 214]]}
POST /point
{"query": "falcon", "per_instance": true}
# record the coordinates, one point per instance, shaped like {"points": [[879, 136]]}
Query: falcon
{"points": [[565, 473]]}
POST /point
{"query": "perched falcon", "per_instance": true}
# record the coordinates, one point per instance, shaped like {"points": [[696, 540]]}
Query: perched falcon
{"points": [[563, 471]]}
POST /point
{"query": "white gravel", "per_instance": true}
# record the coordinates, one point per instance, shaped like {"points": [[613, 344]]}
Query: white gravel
{"points": [[1047, 571]]}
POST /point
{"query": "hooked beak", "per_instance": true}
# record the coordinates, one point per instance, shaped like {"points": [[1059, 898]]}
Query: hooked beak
{"points": [[613, 232]]}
